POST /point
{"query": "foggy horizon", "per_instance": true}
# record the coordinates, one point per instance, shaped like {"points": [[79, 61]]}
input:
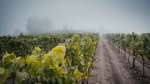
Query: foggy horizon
{"points": [[103, 16]]}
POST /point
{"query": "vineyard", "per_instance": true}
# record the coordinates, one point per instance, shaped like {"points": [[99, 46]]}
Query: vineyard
{"points": [[47, 59], [75, 58], [74, 42], [134, 44]]}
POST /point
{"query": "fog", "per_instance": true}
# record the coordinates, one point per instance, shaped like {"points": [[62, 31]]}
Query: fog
{"points": [[45, 16]]}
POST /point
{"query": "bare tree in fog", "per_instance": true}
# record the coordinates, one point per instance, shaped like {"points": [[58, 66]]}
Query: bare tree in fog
{"points": [[39, 25]]}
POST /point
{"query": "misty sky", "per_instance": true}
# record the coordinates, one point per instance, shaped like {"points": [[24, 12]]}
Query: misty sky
{"points": [[90, 15]]}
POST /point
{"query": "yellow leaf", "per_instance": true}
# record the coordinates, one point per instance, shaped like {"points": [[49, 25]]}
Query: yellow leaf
{"points": [[77, 74]]}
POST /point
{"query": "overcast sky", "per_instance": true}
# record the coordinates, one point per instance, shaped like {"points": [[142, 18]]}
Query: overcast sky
{"points": [[93, 15]]}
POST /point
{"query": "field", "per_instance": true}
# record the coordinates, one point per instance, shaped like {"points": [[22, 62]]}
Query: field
{"points": [[75, 58], [122, 59], [48, 59]]}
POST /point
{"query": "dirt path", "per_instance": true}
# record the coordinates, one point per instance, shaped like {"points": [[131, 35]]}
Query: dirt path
{"points": [[109, 68]]}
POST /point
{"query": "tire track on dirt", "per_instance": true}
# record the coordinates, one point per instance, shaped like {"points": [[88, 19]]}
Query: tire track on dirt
{"points": [[107, 67], [102, 69], [120, 72]]}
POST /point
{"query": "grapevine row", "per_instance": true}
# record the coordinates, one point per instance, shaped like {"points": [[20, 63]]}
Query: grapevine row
{"points": [[67, 63], [137, 45]]}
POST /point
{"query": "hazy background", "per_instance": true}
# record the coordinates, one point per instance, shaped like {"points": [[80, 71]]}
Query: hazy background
{"points": [[40, 16]]}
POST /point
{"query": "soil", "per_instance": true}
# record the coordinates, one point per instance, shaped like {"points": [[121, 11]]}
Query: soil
{"points": [[112, 68]]}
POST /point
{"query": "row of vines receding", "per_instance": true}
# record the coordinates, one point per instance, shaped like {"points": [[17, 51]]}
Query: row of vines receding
{"points": [[47, 59]]}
